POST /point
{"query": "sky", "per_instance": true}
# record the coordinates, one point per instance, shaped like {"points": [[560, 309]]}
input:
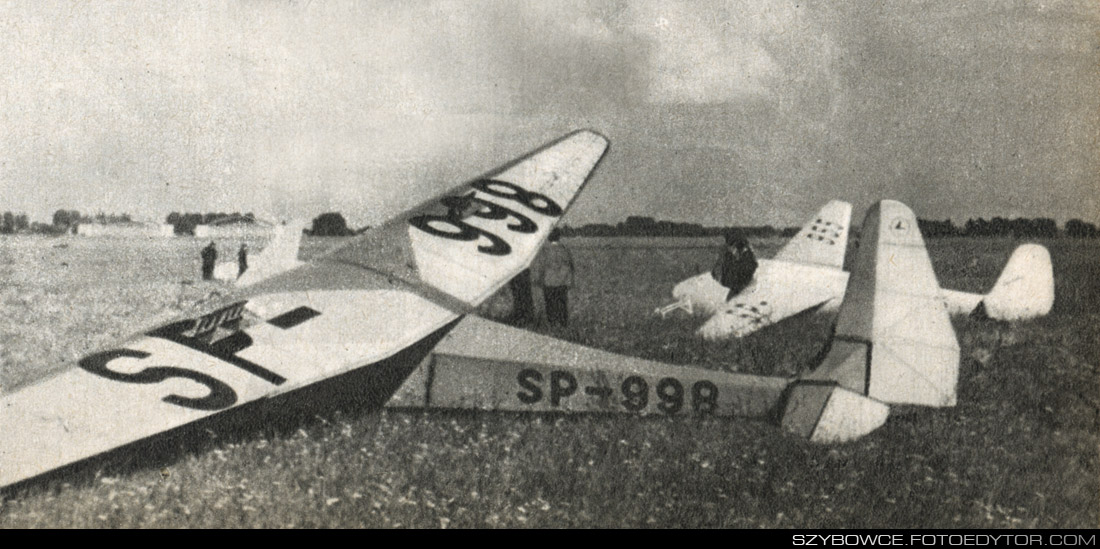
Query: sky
{"points": [[746, 112]]}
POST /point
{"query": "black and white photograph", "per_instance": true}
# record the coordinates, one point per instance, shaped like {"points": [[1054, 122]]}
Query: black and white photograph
{"points": [[767, 264]]}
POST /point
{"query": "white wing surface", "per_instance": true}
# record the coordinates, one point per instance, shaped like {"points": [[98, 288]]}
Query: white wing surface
{"points": [[806, 273], [468, 243], [349, 326], [779, 290]]}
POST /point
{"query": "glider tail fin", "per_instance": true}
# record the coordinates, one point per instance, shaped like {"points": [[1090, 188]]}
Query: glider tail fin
{"points": [[823, 239], [892, 308], [893, 341], [1025, 288], [280, 254]]}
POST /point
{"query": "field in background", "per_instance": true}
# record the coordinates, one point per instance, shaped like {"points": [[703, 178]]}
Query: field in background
{"points": [[1022, 448]]}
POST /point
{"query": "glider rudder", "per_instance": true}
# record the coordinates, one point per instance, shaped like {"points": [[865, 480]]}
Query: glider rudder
{"points": [[1025, 288], [823, 239], [893, 342]]}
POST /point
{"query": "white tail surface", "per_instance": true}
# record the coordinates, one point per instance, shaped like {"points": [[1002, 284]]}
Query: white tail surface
{"points": [[1025, 288], [280, 255], [823, 239], [894, 341]]}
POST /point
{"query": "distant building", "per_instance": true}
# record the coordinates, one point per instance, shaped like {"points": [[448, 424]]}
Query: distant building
{"points": [[126, 229]]}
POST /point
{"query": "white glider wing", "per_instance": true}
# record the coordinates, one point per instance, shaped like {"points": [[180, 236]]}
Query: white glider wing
{"points": [[471, 242], [807, 273], [779, 290], [351, 325]]}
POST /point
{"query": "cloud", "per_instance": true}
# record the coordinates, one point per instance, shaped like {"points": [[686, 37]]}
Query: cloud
{"points": [[726, 51], [365, 107]]}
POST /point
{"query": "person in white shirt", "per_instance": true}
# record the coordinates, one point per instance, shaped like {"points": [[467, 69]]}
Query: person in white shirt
{"points": [[554, 271]]}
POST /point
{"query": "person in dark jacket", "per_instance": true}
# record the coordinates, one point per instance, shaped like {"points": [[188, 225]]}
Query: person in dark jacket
{"points": [[523, 301], [737, 265], [242, 260], [209, 256]]}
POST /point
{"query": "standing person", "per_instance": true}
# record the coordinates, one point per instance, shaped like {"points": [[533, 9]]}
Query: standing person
{"points": [[209, 256], [242, 260], [523, 301], [554, 271], [737, 265]]}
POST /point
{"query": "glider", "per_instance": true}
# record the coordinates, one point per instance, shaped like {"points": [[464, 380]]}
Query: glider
{"points": [[893, 344], [808, 273], [354, 322]]}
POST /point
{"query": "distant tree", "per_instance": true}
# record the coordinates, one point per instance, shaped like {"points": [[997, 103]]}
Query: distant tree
{"points": [[593, 229], [63, 219], [43, 228], [1075, 228], [637, 225], [930, 228], [184, 224], [1021, 227], [1045, 227], [330, 224]]}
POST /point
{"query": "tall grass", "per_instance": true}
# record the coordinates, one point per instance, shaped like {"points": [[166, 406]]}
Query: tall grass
{"points": [[1020, 449]]}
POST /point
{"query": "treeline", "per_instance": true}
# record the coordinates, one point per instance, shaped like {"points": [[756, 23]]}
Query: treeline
{"points": [[998, 226], [13, 223], [185, 223], [326, 224], [648, 226], [62, 221], [1021, 227], [68, 218], [334, 224]]}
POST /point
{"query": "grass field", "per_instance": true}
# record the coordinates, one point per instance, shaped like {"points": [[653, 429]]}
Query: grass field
{"points": [[1020, 450]]}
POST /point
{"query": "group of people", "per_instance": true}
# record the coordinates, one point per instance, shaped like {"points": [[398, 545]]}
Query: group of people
{"points": [[554, 271], [209, 256]]}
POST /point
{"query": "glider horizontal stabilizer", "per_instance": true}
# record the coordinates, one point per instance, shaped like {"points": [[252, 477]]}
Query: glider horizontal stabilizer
{"points": [[1024, 290]]}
